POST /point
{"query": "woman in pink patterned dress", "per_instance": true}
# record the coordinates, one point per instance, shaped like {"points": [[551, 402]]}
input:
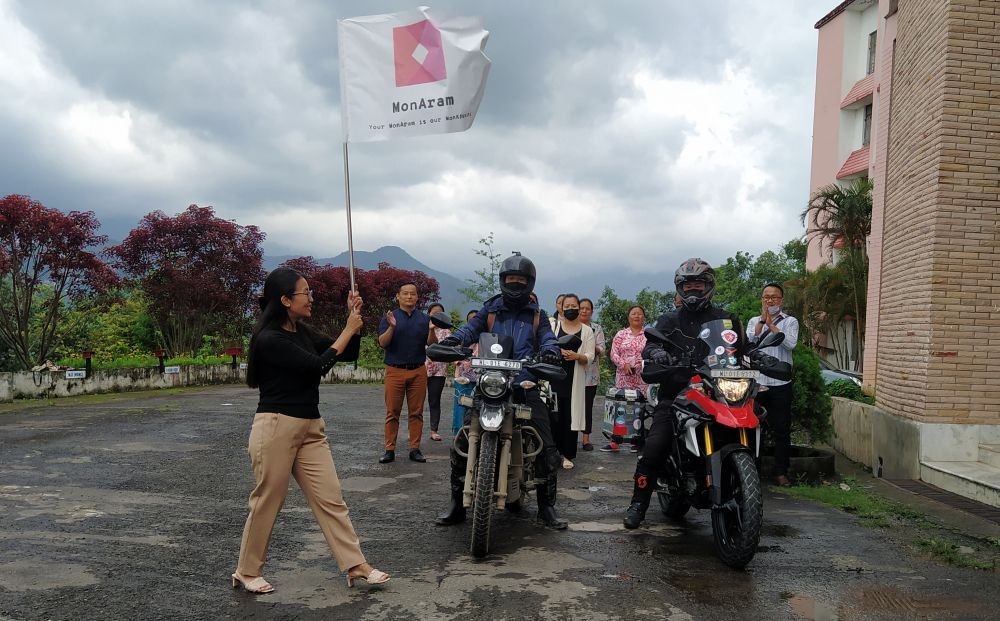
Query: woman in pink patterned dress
{"points": [[626, 351]]}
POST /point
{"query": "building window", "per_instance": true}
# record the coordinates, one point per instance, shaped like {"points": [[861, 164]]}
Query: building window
{"points": [[866, 129], [871, 53]]}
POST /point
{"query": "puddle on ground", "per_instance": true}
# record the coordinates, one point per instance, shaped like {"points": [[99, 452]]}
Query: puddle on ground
{"points": [[808, 608], [574, 494], [40, 575], [596, 527], [364, 484], [904, 604]]}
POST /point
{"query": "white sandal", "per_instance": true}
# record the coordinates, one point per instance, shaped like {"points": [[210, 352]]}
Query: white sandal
{"points": [[375, 577], [257, 586]]}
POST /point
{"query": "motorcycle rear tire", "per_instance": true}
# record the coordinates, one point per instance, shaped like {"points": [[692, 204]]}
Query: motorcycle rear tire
{"points": [[736, 540], [482, 504], [673, 507]]}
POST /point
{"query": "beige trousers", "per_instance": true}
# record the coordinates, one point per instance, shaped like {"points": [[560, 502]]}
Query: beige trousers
{"points": [[281, 446]]}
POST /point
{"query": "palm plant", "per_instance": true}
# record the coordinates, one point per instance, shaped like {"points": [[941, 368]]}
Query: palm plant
{"points": [[842, 217]]}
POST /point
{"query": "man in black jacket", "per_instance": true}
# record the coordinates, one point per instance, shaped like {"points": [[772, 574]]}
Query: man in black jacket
{"points": [[695, 283]]}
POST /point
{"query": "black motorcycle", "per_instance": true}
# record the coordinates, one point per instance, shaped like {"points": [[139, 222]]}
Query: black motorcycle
{"points": [[711, 464], [502, 443]]}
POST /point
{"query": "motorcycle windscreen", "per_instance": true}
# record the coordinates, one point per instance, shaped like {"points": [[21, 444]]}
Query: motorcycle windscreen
{"points": [[495, 346], [720, 338]]}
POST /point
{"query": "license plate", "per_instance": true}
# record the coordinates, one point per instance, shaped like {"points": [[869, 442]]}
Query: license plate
{"points": [[495, 363], [736, 373]]}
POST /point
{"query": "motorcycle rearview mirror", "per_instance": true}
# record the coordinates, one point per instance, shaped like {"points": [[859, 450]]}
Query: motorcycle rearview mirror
{"points": [[569, 341], [441, 319], [654, 334]]}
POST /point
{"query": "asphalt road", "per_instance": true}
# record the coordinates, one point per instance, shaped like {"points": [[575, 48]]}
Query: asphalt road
{"points": [[132, 507]]}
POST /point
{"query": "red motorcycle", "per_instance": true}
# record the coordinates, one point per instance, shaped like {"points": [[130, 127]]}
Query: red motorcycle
{"points": [[712, 462]]}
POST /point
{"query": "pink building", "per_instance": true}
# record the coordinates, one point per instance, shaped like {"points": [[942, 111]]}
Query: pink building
{"points": [[850, 124], [908, 94]]}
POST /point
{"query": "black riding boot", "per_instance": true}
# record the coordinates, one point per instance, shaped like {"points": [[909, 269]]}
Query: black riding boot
{"points": [[642, 492], [456, 510], [546, 495]]}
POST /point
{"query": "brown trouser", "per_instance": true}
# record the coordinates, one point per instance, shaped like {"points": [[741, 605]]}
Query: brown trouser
{"points": [[412, 384], [284, 445]]}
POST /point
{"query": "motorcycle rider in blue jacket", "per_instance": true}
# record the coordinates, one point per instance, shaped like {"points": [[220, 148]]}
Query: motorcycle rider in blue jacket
{"points": [[513, 314]]}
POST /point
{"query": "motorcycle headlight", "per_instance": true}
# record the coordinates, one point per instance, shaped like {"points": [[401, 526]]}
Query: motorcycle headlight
{"points": [[493, 384], [733, 389]]}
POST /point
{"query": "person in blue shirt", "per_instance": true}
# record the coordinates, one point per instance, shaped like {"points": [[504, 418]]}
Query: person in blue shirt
{"points": [[512, 313], [404, 333]]}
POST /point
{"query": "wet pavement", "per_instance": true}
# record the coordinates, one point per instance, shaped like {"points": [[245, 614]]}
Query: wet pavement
{"points": [[132, 507]]}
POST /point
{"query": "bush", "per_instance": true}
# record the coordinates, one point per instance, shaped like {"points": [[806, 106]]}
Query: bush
{"points": [[372, 356], [848, 390], [811, 405], [141, 362]]}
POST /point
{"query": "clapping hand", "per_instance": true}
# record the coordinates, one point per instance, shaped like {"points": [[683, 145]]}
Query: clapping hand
{"points": [[391, 319]]}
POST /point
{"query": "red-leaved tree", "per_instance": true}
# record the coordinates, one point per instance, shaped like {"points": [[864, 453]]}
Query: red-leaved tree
{"points": [[377, 287], [46, 258], [198, 272]]}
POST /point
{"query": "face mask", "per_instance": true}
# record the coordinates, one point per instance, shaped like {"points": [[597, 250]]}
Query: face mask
{"points": [[571, 313], [774, 310]]}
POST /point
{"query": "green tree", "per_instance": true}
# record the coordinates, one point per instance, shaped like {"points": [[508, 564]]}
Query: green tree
{"points": [[740, 280], [486, 284], [612, 311]]}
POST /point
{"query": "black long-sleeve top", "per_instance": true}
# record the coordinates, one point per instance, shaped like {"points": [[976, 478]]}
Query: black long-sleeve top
{"points": [[289, 366], [690, 326]]}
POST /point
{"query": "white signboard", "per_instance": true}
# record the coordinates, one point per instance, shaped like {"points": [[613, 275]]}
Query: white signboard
{"points": [[76, 374], [172, 370]]}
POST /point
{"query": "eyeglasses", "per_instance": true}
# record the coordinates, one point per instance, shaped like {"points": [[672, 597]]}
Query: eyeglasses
{"points": [[306, 292], [771, 297]]}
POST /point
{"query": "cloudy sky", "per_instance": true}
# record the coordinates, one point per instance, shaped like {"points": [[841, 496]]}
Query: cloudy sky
{"points": [[612, 136]]}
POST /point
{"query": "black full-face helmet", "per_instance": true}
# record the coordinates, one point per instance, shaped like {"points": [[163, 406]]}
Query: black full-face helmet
{"points": [[695, 270], [517, 295]]}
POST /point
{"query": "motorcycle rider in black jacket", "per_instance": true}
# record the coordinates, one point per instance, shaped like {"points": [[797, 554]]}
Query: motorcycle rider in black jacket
{"points": [[695, 283]]}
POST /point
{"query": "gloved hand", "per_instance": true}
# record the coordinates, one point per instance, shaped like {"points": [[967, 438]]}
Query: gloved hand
{"points": [[450, 341], [661, 357], [550, 358]]}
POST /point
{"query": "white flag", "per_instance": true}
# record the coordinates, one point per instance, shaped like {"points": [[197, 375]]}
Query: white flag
{"points": [[407, 74]]}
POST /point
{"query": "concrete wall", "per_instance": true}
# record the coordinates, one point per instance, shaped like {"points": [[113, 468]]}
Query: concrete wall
{"points": [[27, 385], [890, 446], [852, 430]]}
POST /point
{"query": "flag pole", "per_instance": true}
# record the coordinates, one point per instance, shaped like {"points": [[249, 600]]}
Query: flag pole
{"points": [[347, 199]]}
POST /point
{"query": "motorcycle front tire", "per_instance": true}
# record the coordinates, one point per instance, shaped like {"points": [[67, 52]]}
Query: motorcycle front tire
{"points": [[735, 538], [482, 504]]}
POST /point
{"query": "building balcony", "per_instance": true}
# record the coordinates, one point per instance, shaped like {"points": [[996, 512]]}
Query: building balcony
{"points": [[861, 93], [855, 165]]}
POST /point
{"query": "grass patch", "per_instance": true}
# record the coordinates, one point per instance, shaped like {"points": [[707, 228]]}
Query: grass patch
{"points": [[952, 554], [847, 496]]}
